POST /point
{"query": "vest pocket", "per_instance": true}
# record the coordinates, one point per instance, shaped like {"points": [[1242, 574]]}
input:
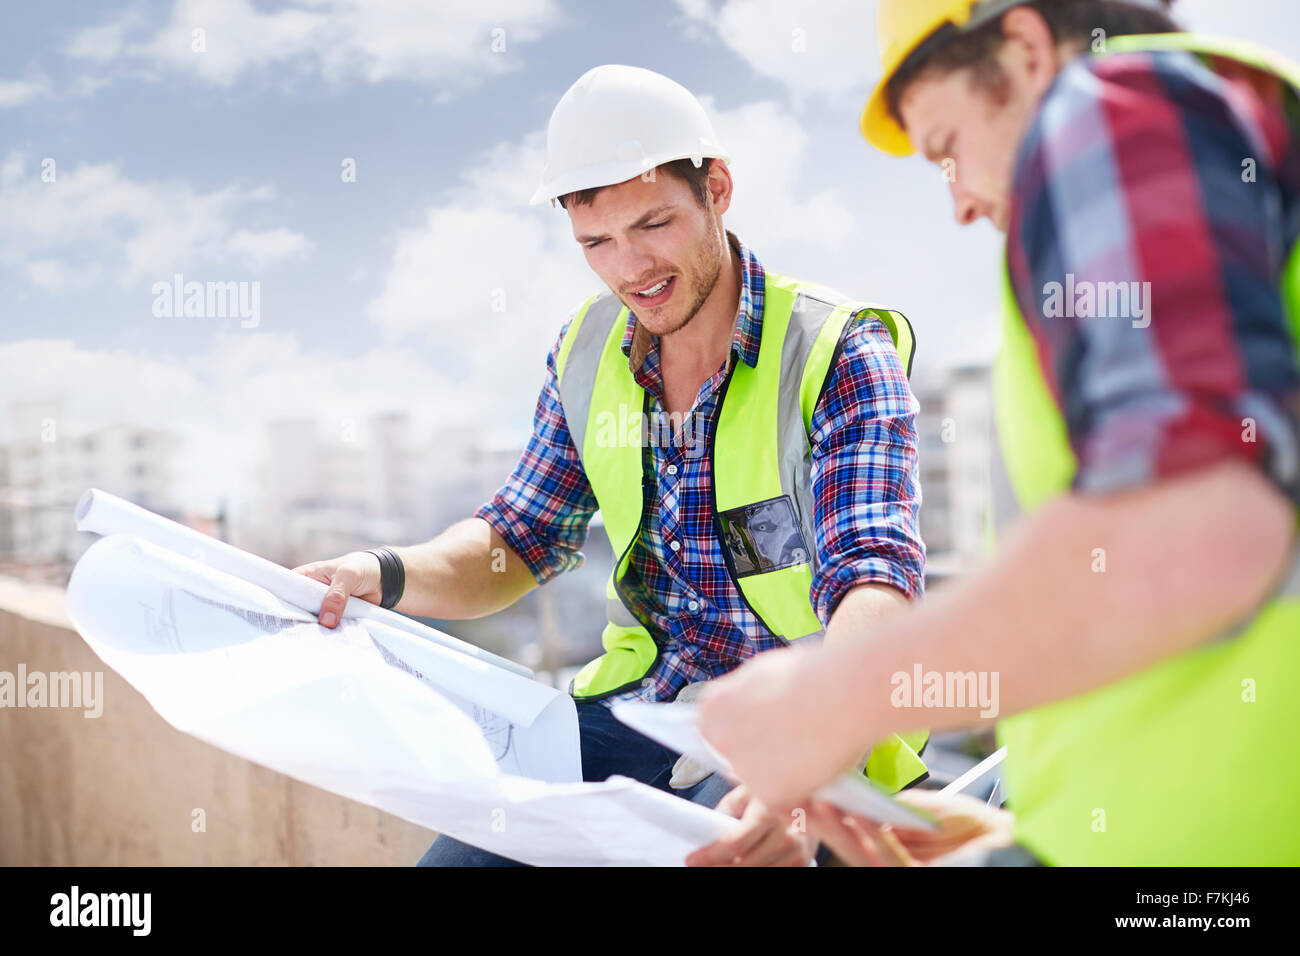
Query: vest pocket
{"points": [[764, 536]]}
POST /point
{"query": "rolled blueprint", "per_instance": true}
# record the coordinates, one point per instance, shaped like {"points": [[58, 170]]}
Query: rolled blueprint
{"points": [[105, 514], [368, 712]]}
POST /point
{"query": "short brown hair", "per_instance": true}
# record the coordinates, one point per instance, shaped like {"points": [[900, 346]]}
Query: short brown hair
{"points": [[949, 50], [697, 177]]}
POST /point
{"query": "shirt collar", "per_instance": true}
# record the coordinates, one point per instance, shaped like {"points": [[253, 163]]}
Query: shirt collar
{"points": [[749, 324]]}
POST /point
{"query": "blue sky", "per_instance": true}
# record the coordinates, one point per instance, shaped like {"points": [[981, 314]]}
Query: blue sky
{"points": [[224, 165]]}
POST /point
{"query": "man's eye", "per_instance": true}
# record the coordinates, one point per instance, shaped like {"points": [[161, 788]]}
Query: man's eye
{"points": [[656, 225], [593, 245]]}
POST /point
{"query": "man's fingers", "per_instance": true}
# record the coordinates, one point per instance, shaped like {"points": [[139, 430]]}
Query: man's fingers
{"points": [[730, 845], [857, 842], [317, 571], [886, 838], [734, 803], [761, 840], [343, 585], [344, 577], [726, 848], [779, 847], [828, 824]]}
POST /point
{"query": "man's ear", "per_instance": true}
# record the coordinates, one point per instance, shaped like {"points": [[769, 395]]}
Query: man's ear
{"points": [[1030, 53], [720, 186]]}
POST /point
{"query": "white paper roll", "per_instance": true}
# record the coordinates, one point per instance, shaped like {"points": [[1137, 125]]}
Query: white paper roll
{"points": [[105, 514]]}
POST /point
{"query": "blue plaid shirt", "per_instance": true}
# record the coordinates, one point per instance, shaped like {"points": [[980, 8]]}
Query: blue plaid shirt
{"points": [[865, 489]]}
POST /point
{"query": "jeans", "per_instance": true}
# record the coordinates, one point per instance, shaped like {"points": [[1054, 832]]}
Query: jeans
{"points": [[608, 747]]}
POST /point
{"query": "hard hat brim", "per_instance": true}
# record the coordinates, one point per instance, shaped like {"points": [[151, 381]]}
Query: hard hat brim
{"points": [[880, 128], [878, 124], [609, 174]]}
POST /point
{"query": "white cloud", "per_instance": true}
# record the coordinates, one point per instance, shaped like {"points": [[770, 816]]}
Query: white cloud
{"points": [[92, 223], [218, 402], [22, 92], [262, 249], [813, 47], [487, 279], [771, 167], [18, 92], [100, 44], [841, 55], [449, 46]]}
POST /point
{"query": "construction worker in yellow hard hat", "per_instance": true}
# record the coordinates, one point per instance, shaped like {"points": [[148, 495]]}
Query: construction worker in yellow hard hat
{"points": [[1143, 617], [691, 400]]}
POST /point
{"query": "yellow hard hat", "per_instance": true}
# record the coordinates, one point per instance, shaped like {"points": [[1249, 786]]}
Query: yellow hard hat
{"points": [[901, 27]]}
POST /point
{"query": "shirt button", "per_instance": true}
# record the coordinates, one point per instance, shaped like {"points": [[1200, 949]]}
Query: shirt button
{"points": [[674, 546], [693, 605], [671, 469]]}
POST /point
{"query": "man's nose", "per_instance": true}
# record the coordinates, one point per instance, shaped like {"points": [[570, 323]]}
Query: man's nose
{"points": [[635, 264], [966, 207]]}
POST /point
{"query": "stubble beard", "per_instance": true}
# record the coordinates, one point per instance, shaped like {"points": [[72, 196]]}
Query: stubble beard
{"points": [[704, 265]]}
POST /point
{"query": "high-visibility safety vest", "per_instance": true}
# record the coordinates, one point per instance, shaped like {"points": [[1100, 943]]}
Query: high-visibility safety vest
{"points": [[1195, 760], [760, 473]]}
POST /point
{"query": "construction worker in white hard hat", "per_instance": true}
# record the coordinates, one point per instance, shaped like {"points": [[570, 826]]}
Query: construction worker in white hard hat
{"points": [[747, 437], [1143, 617]]}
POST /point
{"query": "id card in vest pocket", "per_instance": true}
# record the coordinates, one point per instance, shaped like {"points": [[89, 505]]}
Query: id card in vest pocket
{"points": [[763, 536]]}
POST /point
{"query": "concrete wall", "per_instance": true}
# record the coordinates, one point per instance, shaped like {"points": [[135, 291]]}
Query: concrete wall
{"points": [[121, 789]]}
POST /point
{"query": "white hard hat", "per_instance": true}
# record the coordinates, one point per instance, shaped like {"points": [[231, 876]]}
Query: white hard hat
{"points": [[617, 122]]}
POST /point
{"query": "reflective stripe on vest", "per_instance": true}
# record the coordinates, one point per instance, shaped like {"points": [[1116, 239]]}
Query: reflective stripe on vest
{"points": [[1192, 761], [760, 457]]}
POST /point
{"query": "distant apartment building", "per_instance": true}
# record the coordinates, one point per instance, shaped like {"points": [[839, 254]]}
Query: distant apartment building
{"points": [[955, 430], [47, 465], [370, 481], [330, 489]]}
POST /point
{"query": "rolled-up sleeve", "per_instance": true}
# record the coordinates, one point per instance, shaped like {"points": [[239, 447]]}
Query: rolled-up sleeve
{"points": [[864, 472], [543, 509], [1148, 269]]}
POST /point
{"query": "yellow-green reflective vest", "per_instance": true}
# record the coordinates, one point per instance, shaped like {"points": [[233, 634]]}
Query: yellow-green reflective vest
{"points": [[762, 502], [1196, 760]]}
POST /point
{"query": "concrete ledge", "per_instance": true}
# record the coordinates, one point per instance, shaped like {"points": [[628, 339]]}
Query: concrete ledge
{"points": [[121, 789]]}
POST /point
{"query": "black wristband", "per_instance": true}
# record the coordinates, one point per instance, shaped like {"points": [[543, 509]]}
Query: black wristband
{"points": [[392, 576]]}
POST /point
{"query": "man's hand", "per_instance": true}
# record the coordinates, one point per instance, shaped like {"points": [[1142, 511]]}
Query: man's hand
{"points": [[762, 839], [777, 721], [965, 824], [354, 574], [1209, 547]]}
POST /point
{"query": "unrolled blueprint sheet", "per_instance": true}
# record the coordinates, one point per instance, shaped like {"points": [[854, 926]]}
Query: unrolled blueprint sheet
{"points": [[370, 711]]}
